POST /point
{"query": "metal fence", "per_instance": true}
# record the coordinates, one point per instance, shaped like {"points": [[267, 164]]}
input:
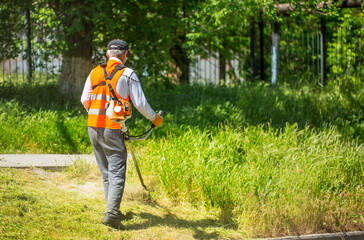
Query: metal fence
{"points": [[16, 69], [300, 53], [346, 58], [299, 58], [206, 70]]}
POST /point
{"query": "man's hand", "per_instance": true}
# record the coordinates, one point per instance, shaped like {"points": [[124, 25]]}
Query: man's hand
{"points": [[158, 120]]}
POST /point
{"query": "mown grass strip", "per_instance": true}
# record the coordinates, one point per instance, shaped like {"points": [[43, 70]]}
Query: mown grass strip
{"points": [[36, 204]]}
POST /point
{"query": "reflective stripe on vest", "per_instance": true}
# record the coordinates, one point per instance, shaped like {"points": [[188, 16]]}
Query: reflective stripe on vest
{"points": [[97, 111], [101, 95]]}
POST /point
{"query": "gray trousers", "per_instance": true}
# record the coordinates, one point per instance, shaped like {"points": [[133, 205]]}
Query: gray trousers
{"points": [[111, 155]]}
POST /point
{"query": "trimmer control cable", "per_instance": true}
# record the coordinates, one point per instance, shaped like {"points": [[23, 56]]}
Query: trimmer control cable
{"points": [[140, 136], [128, 138]]}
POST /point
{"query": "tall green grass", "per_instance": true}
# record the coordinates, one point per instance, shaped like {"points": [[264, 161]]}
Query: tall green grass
{"points": [[207, 106], [35, 119], [43, 131], [36, 115], [270, 180], [276, 160]]}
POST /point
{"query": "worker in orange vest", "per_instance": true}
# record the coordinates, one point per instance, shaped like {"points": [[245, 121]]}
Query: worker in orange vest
{"points": [[110, 85]]}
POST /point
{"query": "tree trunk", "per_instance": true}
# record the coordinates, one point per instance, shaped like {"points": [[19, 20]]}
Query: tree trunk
{"points": [[76, 66], [181, 60], [283, 8], [75, 17], [178, 52]]}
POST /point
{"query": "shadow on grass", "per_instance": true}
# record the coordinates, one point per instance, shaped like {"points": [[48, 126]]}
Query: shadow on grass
{"points": [[203, 228], [65, 134], [205, 107], [39, 96]]}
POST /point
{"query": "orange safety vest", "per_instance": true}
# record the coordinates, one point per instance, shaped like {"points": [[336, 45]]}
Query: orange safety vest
{"points": [[101, 95]]}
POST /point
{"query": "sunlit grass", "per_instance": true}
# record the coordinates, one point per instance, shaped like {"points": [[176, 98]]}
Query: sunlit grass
{"points": [[268, 180], [38, 204]]}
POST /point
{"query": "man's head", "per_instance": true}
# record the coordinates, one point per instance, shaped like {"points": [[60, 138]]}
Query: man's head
{"points": [[117, 48]]}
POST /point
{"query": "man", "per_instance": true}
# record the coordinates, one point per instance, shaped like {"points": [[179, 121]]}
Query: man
{"points": [[105, 136]]}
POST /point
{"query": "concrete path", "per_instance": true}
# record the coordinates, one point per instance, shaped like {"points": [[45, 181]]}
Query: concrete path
{"points": [[42, 160], [326, 236]]}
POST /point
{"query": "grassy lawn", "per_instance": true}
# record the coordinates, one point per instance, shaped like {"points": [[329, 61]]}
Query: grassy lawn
{"points": [[38, 204]]}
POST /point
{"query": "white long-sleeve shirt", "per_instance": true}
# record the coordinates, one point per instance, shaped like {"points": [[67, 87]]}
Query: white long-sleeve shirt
{"points": [[128, 86]]}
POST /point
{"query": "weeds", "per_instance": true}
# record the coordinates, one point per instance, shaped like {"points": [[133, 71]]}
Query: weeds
{"points": [[289, 179], [79, 168]]}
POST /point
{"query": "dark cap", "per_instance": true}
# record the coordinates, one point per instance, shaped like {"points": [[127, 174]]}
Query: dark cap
{"points": [[117, 44]]}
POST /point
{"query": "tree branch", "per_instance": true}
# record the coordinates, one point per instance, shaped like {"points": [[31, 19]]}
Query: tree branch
{"points": [[288, 7]]}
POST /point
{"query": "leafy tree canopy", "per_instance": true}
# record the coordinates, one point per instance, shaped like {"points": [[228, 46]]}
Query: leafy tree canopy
{"points": [[159, 31]]}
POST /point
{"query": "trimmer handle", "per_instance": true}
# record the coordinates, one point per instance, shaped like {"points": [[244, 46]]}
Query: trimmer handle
{"points": [[160, 113]]}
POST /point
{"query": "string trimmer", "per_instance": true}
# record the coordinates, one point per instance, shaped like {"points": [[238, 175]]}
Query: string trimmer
{"points": [[128, 138]]}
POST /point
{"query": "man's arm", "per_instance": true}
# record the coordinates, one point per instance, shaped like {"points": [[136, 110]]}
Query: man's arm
{"points": [[87, 90], [137, 96]]}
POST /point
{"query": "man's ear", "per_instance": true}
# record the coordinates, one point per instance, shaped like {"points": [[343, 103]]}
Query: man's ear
{"points": [[107, 55]]}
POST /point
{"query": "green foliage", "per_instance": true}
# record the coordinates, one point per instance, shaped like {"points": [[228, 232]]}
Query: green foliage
{"points": [[287, 158], [49, 41], [164, 39], [207, 106], [44, 131], [11, 26], [344, 52]]}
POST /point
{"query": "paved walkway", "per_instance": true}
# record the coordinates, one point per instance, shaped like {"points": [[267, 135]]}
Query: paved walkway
{"points": [[326, 236], [42, 160]]}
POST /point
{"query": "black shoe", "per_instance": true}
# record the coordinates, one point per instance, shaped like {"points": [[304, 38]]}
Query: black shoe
{"points": [[113, 222]]}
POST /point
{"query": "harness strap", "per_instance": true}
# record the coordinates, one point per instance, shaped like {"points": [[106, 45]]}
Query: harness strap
{"points": [[117, 68], [107, 77]]}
